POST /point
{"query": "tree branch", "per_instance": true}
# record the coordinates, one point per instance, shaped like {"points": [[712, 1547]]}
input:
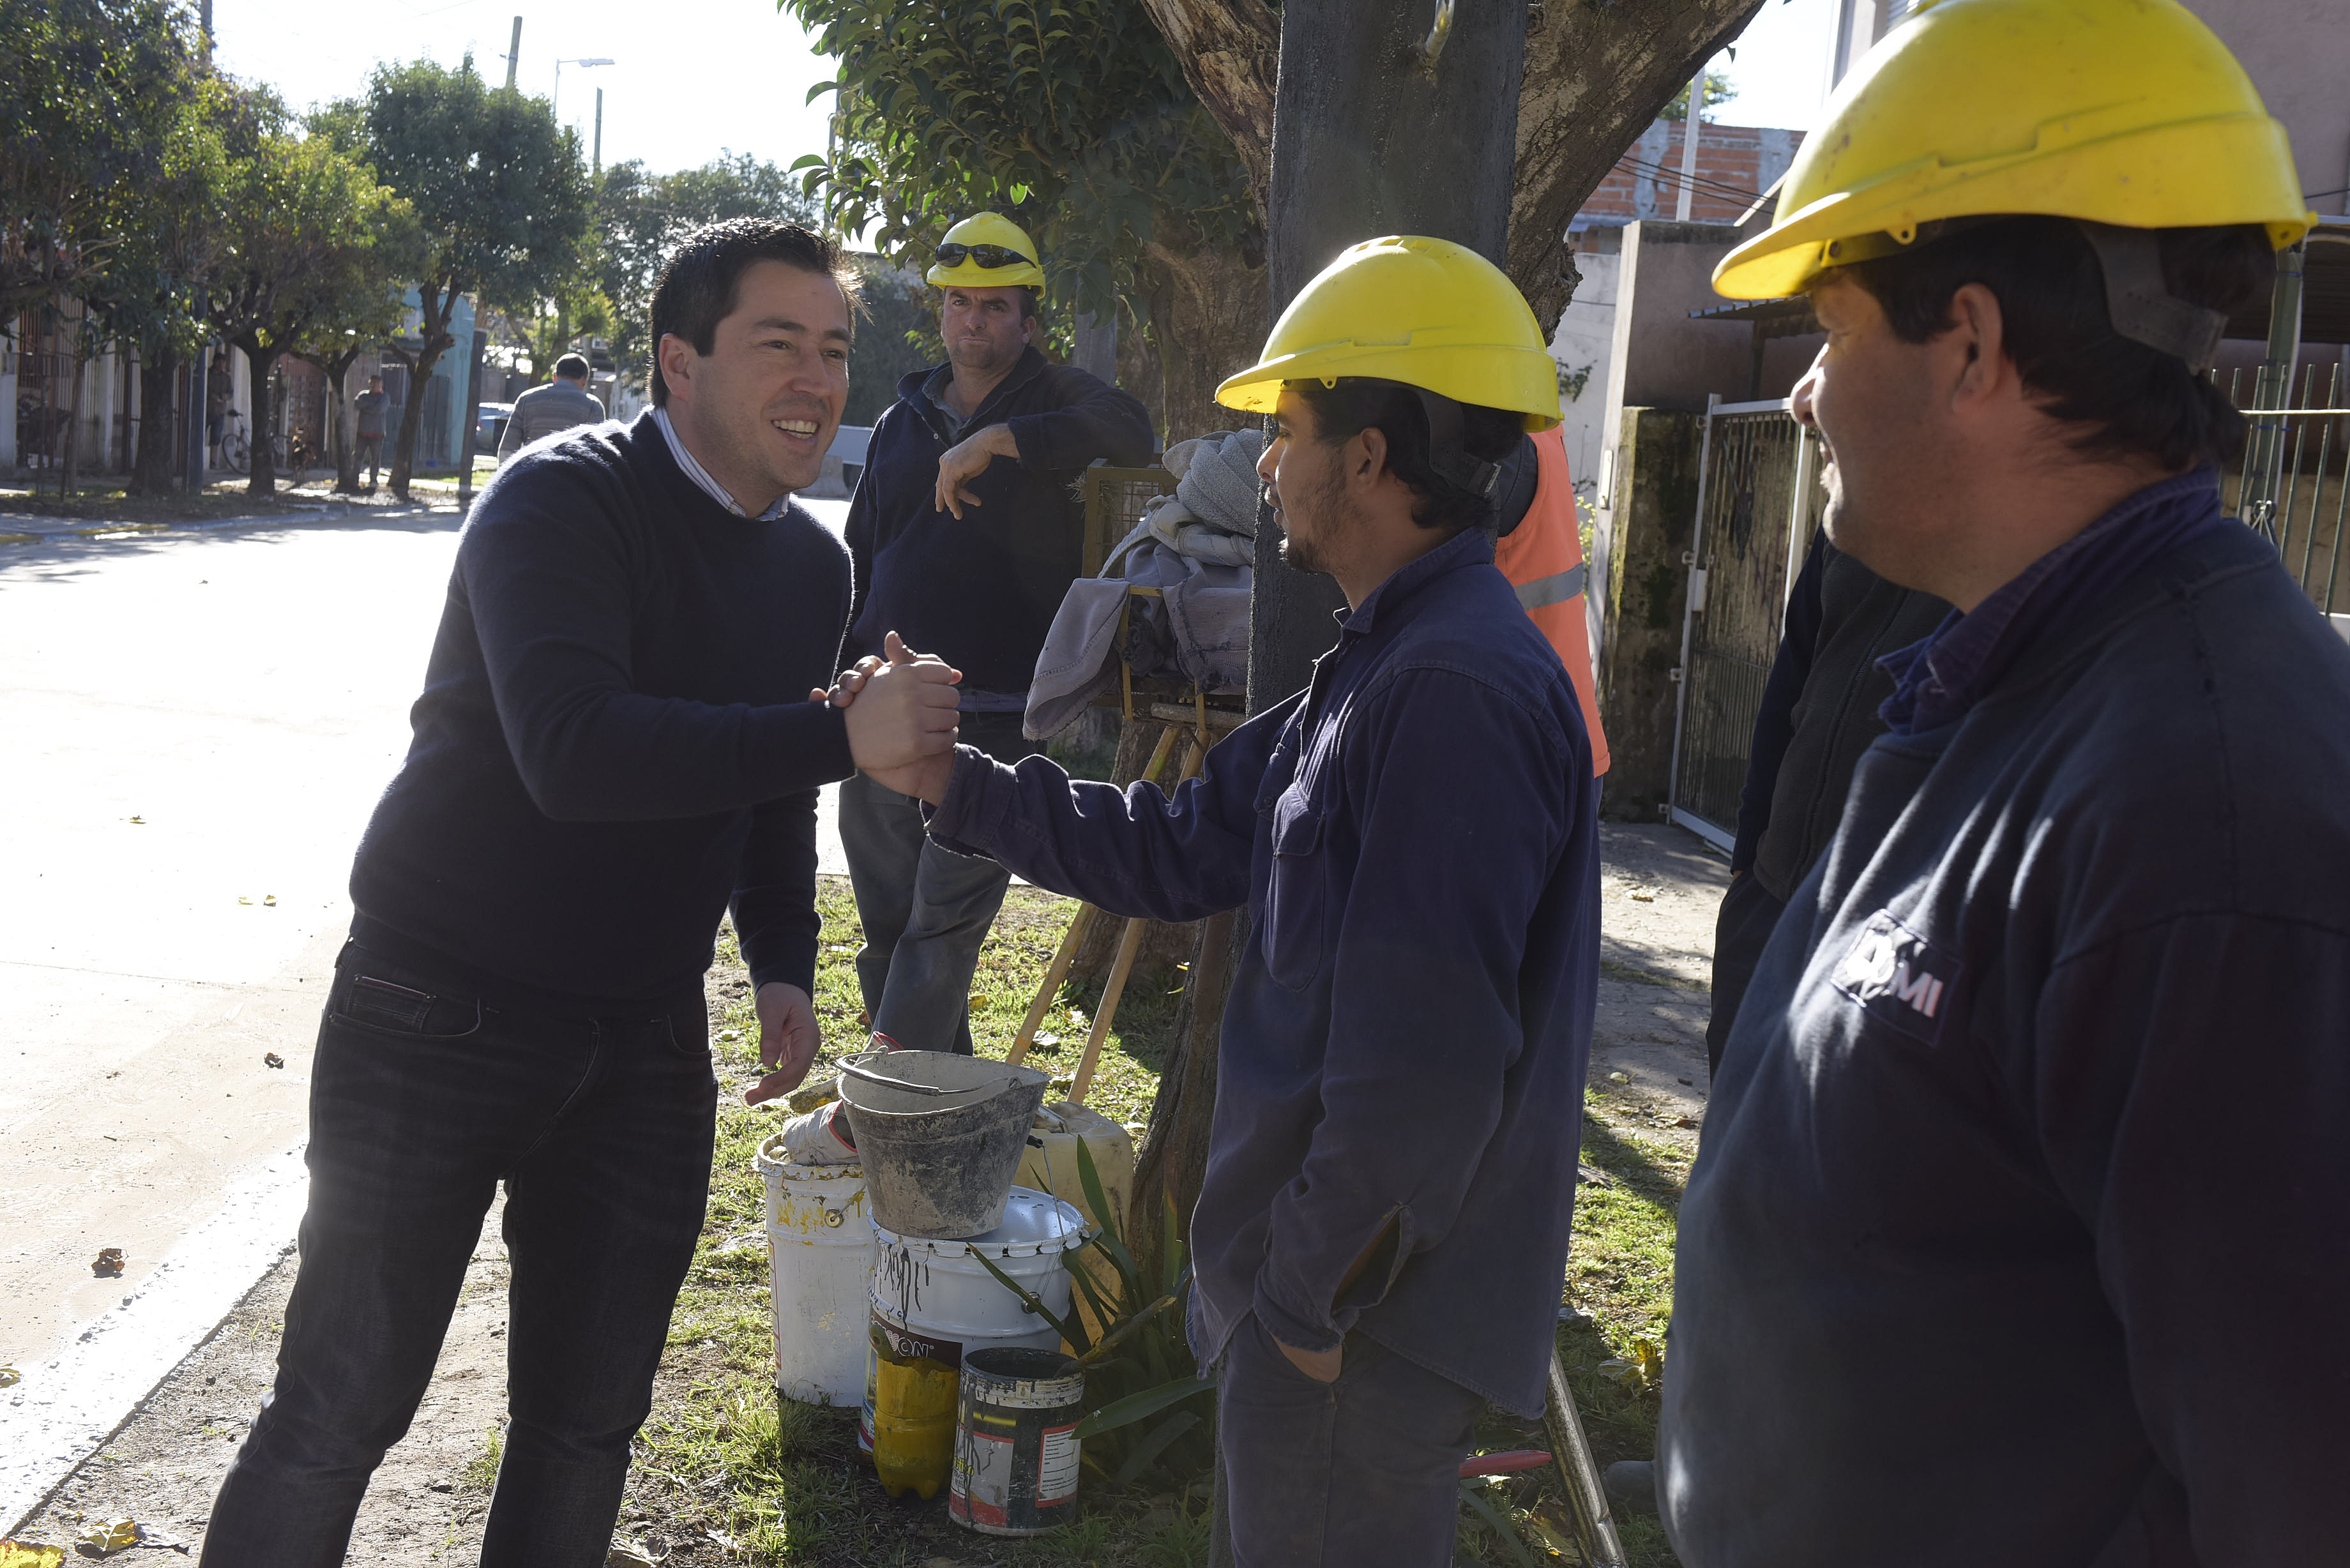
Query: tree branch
{"points": [[1230, 53]]}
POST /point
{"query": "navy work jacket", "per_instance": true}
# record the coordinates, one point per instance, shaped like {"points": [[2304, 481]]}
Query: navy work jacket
{"points": [[1403, 1055]]}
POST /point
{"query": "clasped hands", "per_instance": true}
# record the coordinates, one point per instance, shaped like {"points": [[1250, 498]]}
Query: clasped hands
{"points": [[900, 713]]}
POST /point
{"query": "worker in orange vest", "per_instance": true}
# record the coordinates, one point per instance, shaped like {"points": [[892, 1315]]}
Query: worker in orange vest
{"points": [[1541, 552]]}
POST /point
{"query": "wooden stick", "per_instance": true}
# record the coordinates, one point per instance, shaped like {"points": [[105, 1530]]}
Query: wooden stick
{"points": [[1057, 972], [1129, 943]]}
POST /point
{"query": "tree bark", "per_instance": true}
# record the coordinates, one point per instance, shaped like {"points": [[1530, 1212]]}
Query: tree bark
{"points": [[1596, 77], [259, 362], [150, 473], [1173, 1159], [1209, 310], [1164, 944]]}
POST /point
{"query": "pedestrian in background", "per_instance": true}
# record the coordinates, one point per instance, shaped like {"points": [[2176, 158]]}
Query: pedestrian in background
{"points": [[370, 407], [220, 392], [966, 531], [564, 404]]}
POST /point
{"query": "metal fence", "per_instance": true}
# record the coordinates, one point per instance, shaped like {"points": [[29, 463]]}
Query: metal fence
{"points": [[2292, 483], [1759, 500]]}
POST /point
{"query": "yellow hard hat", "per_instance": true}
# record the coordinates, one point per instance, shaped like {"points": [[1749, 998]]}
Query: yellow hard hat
{"points": [[987, 250], [1427, 313], [2127, 112]]}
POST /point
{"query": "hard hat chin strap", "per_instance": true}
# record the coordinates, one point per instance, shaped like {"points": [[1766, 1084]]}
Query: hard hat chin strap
{"points": [[1446, 455], [2141, 307]]}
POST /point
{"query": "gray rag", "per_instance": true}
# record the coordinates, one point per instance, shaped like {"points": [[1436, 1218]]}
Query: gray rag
{"points": [[1196, 546]]}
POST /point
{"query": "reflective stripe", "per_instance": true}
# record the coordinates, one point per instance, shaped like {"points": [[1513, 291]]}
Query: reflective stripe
{"points": [[1554, 589]]}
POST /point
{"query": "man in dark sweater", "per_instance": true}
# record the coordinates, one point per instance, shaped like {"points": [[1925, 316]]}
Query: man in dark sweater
{"points": [[617, 737], [2034, 1105], [966, 530]]}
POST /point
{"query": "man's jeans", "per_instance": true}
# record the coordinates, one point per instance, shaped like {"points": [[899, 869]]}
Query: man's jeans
{"points": [[421, 1100], [926, 912], [1362, 1470]]}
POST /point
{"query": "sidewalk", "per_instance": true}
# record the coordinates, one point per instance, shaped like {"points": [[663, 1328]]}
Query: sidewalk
{"points": [[1658, 890]]}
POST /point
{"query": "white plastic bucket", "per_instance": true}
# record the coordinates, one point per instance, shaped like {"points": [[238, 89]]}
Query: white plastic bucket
{"points": [[820, 1254], [932, 1301]]}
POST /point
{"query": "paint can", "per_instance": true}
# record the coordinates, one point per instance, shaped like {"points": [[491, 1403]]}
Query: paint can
{"points": [[1016, 1448], [821, 1264], [933, 1304]]}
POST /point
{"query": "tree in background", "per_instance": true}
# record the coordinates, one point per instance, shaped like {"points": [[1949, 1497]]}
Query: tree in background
{"points": [[89, 92], [304, 220], [1718, 91], [355, 305], [1071, 117], [640, 217], [499, 194]]}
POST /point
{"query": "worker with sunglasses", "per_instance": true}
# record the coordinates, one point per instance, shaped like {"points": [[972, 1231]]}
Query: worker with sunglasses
{"points": [[965, 534]]}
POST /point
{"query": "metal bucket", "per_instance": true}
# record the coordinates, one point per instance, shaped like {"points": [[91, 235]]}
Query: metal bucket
{"points": [[1016, 1448], [940, 1137], [820, 1256], [933, 1303]]}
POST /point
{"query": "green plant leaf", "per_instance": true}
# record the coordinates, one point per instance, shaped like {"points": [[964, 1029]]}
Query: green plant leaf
{"points": [[1473, 1494], [1145, 1452], [1134, 1407]]}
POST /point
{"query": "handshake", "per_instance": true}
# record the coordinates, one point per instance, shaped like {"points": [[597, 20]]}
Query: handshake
{"points": [[900, 713]]}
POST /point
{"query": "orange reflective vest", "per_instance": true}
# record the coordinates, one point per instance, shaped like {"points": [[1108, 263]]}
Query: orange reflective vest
{"points": [[1543, 558]]}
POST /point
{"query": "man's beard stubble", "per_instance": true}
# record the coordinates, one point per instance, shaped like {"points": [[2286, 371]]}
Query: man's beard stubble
{"points": [[1327, 517]]}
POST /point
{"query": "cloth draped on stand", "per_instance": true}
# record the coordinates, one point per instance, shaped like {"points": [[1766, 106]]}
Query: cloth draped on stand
{"points": [[1196, 548]]}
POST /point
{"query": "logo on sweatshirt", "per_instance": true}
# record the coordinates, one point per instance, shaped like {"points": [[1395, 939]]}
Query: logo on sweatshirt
{"points": [[1898, 977]]}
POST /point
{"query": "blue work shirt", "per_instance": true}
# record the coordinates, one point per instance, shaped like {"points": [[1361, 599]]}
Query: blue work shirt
{"points": [[1402, 1063]]}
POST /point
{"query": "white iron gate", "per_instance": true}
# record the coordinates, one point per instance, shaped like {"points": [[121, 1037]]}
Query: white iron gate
{"points": [[1757, 502]]}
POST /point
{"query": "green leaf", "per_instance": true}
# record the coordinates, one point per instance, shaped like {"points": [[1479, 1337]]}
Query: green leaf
{"points": [[1134, 1407], [818, 90], [1473, 1494], [1147, 1451]]}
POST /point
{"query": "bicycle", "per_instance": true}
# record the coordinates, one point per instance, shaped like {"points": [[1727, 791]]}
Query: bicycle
{"points": [[294, 457]]}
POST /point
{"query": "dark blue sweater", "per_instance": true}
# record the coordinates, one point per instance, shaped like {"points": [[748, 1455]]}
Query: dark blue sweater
{"points": [[1406, 1037], [980, 592], [2021, 1229], [614, 736]]}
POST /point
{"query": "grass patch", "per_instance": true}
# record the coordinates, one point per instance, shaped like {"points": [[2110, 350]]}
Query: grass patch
{"points": [[111, 504], [722, 1463], [481, 1471]]}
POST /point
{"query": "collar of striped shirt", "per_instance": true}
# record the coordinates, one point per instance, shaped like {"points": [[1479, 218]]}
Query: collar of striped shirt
{"points": [[701, 475]]}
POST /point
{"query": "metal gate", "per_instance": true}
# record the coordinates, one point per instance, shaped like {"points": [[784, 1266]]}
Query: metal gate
{"points": [[1758, 502]]}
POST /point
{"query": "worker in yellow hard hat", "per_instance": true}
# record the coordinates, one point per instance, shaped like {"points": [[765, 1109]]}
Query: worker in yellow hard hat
{"points": [[965, 537], [1383, 1224], [2036, 1102]]}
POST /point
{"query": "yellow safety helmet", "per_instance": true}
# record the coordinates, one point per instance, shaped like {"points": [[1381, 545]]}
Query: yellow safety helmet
{"points": [[987, 250], [1425, 313], [2125, 112]]}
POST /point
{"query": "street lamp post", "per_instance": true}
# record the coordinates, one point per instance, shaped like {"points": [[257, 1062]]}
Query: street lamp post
{"points": [[557, 105]]}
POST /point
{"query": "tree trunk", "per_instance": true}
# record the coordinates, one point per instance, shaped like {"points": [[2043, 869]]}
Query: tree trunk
{"points": [[436, 307], [1173, 1159], [1164, 945], [259, 360], [150, 471], [1596, 77], [1209, 309]]}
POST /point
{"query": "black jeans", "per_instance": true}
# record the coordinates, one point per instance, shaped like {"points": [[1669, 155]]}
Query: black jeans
{"points": [[421, 1100], [1360, 1471], [1740, 931]]}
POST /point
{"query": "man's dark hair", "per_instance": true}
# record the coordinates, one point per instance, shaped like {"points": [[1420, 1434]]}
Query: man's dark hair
{"points": [[2123, 396], [571, 368], [1357, 404], [703, 277]]}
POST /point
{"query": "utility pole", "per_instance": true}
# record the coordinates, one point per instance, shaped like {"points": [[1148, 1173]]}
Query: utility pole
{"points": [[513, 53], [205, 30], [1688, 148], [596, 165]]}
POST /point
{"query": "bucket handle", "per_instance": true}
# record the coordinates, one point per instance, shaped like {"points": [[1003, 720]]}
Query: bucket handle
{"points": [[858, 1070]]}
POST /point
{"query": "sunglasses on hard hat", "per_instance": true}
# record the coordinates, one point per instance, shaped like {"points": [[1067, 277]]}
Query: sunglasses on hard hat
{"points": [[990, 256]]}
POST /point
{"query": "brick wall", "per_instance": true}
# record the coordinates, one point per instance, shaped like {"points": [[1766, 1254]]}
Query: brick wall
{"points": [[1735, 163]]}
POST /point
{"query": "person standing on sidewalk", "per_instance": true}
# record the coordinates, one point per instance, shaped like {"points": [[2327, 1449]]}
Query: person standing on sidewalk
{"points": [[2034, 1107], [564, 404], [617, 738], [1381, 1237], [370, 407], [966, 533]]}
